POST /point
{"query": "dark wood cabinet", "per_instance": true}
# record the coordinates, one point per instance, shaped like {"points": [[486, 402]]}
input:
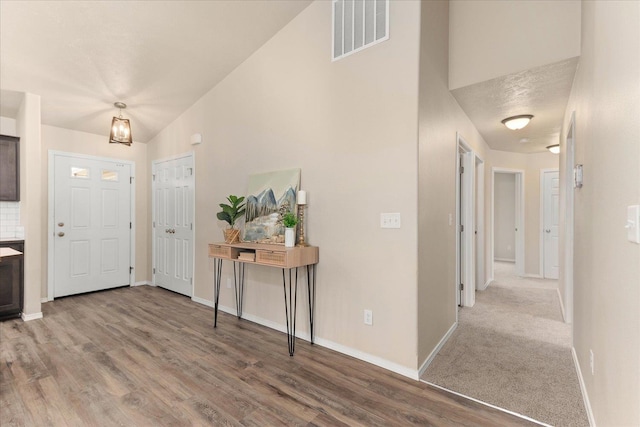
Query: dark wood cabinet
{"points": [[9, 168], [11, 281]]}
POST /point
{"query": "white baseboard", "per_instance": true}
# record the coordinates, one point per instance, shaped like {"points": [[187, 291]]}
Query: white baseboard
{"points": [[34, 316], [583, 389], [533, 276], [564, 316], [437, 349], [505, 260], [486, 285], [143, 283], [374, 360], [43, 300]]}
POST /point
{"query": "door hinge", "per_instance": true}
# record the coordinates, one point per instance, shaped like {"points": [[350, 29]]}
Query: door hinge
{"points": [[191, 280], [154, 224], [462, 286], [461, 169], [154, 271], [461, 228], [154, 176], [130, 180], [130, 225], [192, 226], [130, 270]]}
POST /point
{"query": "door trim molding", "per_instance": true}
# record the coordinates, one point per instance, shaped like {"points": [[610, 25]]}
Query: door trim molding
{"points": [[50, 213], [542, 195], [191, 154], [471, 255]]}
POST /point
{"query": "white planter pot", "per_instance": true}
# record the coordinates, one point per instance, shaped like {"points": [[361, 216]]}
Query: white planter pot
{"points": [[289, 237]]}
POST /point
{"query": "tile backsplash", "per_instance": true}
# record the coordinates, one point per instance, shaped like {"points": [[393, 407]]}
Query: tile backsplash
{"points": [[10, 220]]}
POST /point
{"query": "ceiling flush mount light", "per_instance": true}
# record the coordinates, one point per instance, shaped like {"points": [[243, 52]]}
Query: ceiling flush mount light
{"points": [[120, 128], [517, 122], [555, 148]]}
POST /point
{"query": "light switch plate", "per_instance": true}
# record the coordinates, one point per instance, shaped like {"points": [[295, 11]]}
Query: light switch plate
{"points": [[389, 220], [633, 223]]}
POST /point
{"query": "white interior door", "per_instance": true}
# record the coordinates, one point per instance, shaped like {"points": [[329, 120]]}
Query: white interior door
{"points": [[173, 192], [551, 213], [91, 224]]}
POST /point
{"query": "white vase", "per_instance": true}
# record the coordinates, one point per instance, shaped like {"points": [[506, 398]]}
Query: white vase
{"points": [[289, 237]]}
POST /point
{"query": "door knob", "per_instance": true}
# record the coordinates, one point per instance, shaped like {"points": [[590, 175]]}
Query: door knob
{"points": [[60, 234], [547, 230], [166, 230], [61, 224]]}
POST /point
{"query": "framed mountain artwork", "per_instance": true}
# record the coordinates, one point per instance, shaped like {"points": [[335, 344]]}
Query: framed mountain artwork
{"points": [[269, 196]]}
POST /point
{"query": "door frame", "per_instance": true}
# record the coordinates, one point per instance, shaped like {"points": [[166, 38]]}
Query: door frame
{"points": [[566, 267], [472, 190], [51, 222], [542, 196], [191, 154], [481, 283], [520, 217]]}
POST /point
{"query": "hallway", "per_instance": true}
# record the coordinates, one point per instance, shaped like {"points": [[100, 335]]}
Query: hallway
{"points": [[513, 350]]}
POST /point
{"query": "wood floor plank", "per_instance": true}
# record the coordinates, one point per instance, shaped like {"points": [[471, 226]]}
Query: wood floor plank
{"points": [[144, 356]]}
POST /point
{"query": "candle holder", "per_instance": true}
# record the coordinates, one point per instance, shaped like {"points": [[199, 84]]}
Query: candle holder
{"points": [[301, 241]]}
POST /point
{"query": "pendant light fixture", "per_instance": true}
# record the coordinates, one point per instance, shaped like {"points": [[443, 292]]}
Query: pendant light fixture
{"points": [[120, 128], [517, 122]]}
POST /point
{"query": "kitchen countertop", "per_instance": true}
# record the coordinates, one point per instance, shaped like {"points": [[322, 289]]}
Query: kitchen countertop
{"points": [[11, 239], [7, 252]]}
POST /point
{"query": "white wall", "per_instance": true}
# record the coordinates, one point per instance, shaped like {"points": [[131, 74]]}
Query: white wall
{"points": [[606, 101], [28, 122], [504, 233], [8, 126], [440, 117], [493, 38], [351, 126]]}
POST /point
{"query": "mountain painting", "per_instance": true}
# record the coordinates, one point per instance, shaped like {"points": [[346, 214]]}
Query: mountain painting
{"points": [[269, 195]]}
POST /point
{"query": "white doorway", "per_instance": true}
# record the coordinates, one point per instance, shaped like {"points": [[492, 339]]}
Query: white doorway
{"points": [[91, 224], [173, 190], [469, 224], [550, 185], [513, 204]]}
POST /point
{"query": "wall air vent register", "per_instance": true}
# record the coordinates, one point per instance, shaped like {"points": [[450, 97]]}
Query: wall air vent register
{"points": [[357, 25]]}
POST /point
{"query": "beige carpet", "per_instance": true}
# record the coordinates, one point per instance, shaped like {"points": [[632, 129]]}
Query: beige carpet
{"points": [[513, 350]]}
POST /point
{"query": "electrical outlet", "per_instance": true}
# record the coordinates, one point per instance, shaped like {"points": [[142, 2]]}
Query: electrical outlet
{"points": [[591, 360], [389, 220], [228, 283], [368, 317]]}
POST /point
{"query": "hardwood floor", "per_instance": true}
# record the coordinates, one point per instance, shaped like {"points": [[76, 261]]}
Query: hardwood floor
{"points": [[145, 356]]}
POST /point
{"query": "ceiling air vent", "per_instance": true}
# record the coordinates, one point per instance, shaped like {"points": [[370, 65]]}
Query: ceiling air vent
{"points": [[358, 24]]}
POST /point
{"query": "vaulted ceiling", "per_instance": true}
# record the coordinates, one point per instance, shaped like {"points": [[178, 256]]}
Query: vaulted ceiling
{"points": [[158, 57]]}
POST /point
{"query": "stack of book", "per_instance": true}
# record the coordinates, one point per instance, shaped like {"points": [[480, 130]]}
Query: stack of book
{"points": [[247, 256]]}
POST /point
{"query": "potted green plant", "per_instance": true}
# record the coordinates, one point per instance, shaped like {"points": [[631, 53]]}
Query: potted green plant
{"points": [[289, 220], [230, 213]]}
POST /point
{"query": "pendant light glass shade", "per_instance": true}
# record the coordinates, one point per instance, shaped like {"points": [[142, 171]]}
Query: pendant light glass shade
{"points": [[120, 128]]}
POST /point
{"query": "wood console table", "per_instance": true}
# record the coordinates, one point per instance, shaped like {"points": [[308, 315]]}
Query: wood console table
{"points": [[289, 259]]}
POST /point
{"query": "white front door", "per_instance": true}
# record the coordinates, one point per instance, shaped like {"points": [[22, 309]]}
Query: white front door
{"points": [[551, 212], [91, 224], [173, 192]]}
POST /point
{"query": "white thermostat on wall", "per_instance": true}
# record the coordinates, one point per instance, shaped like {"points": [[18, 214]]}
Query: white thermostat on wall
{"points": [[577, 176]]}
